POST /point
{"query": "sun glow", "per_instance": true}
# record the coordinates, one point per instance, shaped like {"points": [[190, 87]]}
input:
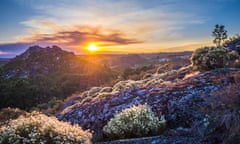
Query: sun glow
{"points": [[92, 48]]}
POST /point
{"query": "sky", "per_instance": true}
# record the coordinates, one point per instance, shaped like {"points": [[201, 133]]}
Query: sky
{"points": [[115, 26]]}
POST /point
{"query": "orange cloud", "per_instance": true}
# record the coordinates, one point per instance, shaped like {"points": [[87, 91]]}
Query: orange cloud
{"points": [[80, 36]]}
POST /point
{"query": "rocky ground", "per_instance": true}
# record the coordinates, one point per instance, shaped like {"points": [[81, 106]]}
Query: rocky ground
{"points": [[158, 140], [181, 96]]}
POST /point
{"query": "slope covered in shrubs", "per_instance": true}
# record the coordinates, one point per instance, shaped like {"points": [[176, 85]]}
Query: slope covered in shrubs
{"points": [[188, 99], [42, 77], [100, 93]]}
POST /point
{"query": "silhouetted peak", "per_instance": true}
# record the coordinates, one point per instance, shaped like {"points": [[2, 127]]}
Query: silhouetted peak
{"points": [[41, 50], [34, 48], [37, 48], [56, 47]]}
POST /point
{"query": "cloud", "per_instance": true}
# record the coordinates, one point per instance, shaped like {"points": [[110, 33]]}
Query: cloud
{"points": [[151, 24], [12, 49], [5, 53], [80, 36], [115, 25]]}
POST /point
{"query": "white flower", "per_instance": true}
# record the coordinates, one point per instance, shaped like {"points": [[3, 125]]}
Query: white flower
{"points": [[134, 121]]}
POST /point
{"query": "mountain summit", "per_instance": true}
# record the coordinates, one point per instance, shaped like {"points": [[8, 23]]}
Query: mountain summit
{"points": [[37, 61]]}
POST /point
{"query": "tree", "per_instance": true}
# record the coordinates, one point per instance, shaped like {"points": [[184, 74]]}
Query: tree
{"points": [[220, 34]]}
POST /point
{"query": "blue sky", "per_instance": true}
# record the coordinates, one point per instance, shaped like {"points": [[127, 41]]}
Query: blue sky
{"points": [[124, 26]]}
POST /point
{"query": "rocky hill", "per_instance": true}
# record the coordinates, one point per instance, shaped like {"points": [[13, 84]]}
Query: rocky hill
{"points": [[44, 61], [191, 102], [41, 76]]}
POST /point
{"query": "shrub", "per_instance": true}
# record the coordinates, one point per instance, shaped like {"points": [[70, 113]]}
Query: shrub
{"points": [[136, 121], [39, 128], [6, 114], [208, 58]]}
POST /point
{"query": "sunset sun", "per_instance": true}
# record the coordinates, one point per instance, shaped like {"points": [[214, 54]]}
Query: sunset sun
{"points": [[92, 48]]}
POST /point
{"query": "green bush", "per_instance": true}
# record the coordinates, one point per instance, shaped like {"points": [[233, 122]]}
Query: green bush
{"points": [[38, 128], [136, 121], [208, 58]]}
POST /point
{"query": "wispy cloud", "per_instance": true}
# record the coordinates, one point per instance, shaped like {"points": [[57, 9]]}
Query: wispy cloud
{"points": [[79, 36], [5, 53]]}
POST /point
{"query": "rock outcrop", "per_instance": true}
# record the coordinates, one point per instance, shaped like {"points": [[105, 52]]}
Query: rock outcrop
{"points": [[180, 96]]}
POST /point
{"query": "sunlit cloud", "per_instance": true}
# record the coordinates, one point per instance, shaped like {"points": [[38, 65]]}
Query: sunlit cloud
{"points": [[107, 23], [5, 53], [120, 26], [81, 36]]}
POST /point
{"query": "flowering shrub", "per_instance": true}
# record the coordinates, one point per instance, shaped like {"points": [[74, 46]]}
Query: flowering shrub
{"points": [[213, 57], [6, 114], [39, 128], [136, 121]]}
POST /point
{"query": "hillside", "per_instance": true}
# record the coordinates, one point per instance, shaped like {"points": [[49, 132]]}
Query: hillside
{"points": [[198, 102], [40, 77], [186, 99]]}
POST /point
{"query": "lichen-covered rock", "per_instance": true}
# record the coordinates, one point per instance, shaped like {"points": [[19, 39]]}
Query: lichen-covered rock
{"points": [[180, 99]]}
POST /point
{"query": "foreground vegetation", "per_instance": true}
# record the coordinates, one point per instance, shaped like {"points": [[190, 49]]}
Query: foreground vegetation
{"points": [[137, 121], [36, 128]]}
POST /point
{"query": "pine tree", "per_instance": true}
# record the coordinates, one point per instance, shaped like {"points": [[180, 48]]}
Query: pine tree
{"points": [[220, 34]]}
